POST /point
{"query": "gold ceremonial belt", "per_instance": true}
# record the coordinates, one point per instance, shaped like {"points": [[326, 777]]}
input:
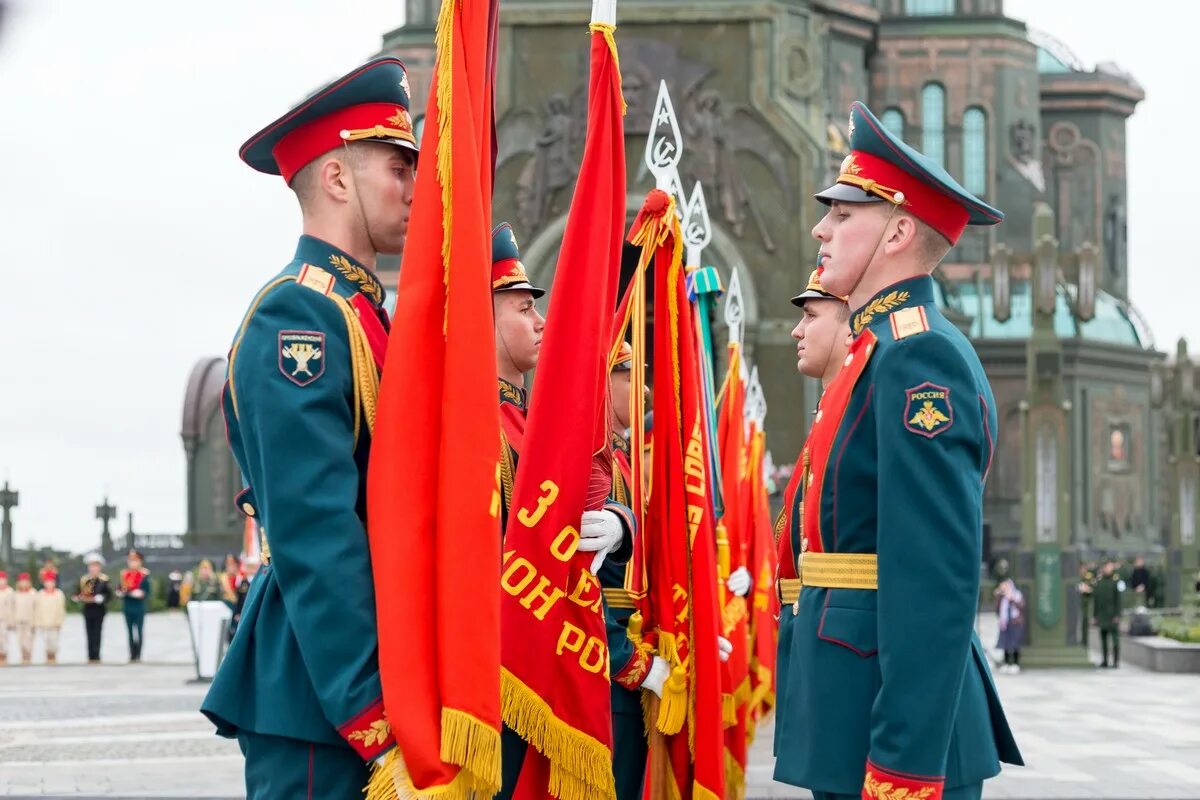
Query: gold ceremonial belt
{"points": [[618, 598], [832, 571]]}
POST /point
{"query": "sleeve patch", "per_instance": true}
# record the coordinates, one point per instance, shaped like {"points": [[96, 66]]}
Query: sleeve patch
{"points": [[927, 411], [302, 356]]}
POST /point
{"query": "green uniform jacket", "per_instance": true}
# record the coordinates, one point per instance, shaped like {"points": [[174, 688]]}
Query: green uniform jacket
{"points": [[303, 663], [893, 686], [1106, 599]]}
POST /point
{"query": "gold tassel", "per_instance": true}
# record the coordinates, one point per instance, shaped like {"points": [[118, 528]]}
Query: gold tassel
{"points": [[673, 708]]}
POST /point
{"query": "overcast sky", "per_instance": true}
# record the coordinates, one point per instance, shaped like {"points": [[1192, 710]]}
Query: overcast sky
{"points": [[134, 237]]}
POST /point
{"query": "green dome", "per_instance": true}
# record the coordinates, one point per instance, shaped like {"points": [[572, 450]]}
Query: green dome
{"points": [[1115, 322]]}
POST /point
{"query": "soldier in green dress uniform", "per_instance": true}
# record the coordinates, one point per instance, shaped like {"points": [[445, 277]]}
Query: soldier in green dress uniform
{"points": [[889, 691], [519, 327], [633, 668], [299, 687], [1106, 598]]}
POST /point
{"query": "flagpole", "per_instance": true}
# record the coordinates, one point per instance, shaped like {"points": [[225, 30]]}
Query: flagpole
{"points": [[704, 288]]}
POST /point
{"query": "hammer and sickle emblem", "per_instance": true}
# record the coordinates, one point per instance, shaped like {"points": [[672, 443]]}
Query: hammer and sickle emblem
{"points": [[302, 352]]}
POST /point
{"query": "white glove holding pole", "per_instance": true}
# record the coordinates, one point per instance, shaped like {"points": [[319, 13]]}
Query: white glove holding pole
{"points": [[739, 582], [656, 676], [724, 648], [600, 532]]}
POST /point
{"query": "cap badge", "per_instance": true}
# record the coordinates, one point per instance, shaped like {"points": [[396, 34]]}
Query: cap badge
{"points": [[400, 120]]}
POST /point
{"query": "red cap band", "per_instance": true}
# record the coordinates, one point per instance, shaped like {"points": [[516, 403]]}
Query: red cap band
{"points": [[935, 208], [366, 121]]}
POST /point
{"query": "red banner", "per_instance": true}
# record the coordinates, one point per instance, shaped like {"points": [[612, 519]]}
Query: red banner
{"points": [[737, 524], [764, 611], [683, 617], [555, 683], [433, 481]]}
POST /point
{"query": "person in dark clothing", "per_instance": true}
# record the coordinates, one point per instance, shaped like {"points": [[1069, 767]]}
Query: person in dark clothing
{"points": [[95, 590], [1140, 580], [1106, 599], [174, 585]]}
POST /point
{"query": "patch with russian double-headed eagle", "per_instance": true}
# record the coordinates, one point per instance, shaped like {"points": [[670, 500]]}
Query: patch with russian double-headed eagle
{"points": [[302, 356], [927, 411]]}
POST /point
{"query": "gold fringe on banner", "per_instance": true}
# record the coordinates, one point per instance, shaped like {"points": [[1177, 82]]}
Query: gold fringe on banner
{"points": [[580, 766], [467, 742], [735, 778]]}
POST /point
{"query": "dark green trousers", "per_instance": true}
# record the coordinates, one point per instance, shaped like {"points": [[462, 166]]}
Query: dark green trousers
{"points": [[278, 768], [512, 758], [629, 755], [972, 792], [1110, 635]]}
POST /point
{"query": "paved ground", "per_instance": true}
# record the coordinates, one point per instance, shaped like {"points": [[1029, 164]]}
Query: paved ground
{"points": [[122, 731]]}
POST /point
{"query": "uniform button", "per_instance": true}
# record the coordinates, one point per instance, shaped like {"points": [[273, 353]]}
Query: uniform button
{"points": [[849, 358], [248, 509]]}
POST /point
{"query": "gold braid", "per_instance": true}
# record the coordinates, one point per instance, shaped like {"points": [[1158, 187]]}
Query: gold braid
{"points": [[362, 363]]}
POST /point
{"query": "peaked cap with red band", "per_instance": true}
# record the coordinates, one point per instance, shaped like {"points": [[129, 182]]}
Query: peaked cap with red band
{"points": [[814, 290], [508, 273], [881, 167], [369, 104]]}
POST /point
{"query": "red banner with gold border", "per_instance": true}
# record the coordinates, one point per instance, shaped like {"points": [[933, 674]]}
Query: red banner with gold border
{"points": [[554, 678]]}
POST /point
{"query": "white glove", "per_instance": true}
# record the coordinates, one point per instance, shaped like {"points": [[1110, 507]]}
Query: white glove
{"points": [[657, 676], [739, 582], [98, 598], [138, 594], [600, 532], [724, 648]]}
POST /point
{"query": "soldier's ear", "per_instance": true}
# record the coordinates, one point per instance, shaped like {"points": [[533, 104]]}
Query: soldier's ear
{"points": [[903, 236], [335, 179]]}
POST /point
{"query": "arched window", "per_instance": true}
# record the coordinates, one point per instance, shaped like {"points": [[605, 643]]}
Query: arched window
{"points": [[975, 150], [933, 122], [928, 8], [893, 120]]}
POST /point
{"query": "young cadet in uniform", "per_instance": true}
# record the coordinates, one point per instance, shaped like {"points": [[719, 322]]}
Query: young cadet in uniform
{"points": [[135, 589], [889, 692], [24, 603], [95, 590], [519, 328], [632, 668], [299, 686]]}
